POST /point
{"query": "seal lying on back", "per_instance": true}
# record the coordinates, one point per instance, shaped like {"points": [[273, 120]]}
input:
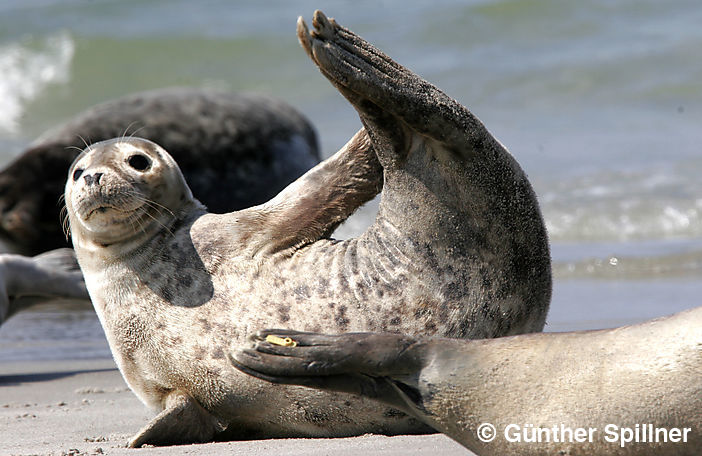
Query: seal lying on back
{"points": [[236, 150], [646, 376], [458, 249]]}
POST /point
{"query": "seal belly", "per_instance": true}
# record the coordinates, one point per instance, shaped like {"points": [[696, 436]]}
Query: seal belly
{"points": [[382, 281]]}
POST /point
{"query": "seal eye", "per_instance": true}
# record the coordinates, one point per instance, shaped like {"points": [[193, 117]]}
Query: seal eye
{"points": [[139, 162], [76, 174]]}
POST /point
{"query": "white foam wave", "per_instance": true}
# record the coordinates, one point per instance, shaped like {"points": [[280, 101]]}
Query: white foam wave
{"points": [[626, 220], [27, 69], [627, 206]]}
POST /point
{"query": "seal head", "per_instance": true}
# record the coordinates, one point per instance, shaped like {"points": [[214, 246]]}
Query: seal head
{"points": [[124, 188]]}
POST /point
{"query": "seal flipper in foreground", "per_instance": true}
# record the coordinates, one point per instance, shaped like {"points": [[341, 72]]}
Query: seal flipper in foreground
{"points": [[632, 400], [372, 365]]}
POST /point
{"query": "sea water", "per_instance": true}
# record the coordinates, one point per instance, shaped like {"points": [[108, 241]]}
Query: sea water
{"points": [[599, 101]]}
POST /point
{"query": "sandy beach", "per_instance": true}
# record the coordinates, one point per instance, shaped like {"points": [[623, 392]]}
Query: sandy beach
{"points": [[85, 408]]}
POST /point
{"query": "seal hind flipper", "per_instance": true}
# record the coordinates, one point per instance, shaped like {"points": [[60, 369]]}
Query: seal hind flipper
{"points": [[182, 420], [368, 78], [444, 174]]}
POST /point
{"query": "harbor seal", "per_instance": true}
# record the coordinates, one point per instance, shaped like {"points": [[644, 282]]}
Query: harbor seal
{"points": [[458, 249], [639, 387], [26, 281], [236, 150]]}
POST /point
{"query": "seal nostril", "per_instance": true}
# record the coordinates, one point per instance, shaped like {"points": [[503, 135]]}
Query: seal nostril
{"points": [[91, 179]]}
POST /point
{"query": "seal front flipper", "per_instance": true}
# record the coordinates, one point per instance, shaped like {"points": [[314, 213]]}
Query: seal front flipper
{"points": [[313, 206], [26, 281], [377, 366], [182, 421]]}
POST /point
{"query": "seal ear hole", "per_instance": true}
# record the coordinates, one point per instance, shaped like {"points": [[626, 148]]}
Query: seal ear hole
{"points": [[76, 174], [139, 162]]}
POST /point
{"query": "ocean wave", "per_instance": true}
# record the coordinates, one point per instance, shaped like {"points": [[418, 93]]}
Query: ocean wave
{"points": [[625, 206], [27, 68]]}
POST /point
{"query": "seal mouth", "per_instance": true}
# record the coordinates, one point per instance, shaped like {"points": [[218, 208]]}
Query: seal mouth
{"points": [[115, 212], [101, 210]]}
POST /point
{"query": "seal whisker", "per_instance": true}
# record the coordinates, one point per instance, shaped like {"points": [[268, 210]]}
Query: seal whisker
{"points": [[65, 225], [131, 135], [124, 133], [158, 207], [165, 227], [63, 216], [74, 148], [84, 141], [136, 131], [136, 224], [153, 204]]}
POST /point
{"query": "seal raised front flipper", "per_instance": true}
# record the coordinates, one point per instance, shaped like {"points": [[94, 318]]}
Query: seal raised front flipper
{"points": [[315, 204]]}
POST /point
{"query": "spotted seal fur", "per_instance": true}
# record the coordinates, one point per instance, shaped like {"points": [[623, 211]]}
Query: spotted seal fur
{"points": [[639, 375], [458, 249]]}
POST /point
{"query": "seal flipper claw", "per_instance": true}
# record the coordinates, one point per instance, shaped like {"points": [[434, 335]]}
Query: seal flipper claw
{"points": [[324, 28], [303, 36]]}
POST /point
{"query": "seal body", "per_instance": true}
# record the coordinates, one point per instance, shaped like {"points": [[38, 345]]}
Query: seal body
{"points": [[236, 150], [535, 389], [458, 249]]}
